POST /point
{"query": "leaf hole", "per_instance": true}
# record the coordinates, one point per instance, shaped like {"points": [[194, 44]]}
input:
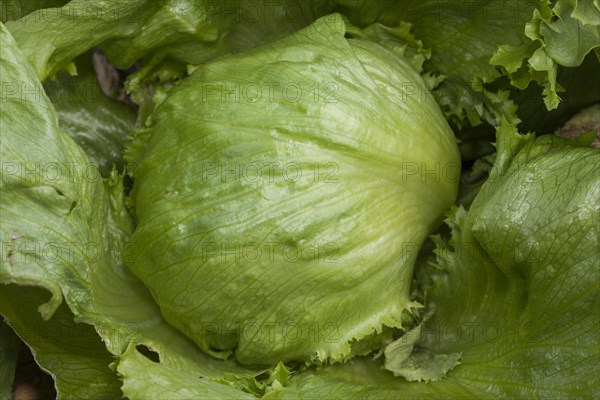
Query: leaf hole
{"points": [[149, 354]]}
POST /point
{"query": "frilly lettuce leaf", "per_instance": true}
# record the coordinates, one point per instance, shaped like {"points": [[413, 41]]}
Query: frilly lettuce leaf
{"points": [[402, 358], [578, 84], [559, 34], [462, 36], [63, 232], [516, 290]]}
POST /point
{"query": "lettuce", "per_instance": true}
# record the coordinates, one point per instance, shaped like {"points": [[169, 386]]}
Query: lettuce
{"points": [[260, 212], [286, 264]]}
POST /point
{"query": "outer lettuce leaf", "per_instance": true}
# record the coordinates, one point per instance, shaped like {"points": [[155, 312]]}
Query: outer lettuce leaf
{"points": [[141, 375], [516, 291], [28, 121], [167, 34], [61, 346], [63, 231], [559, 35], [462, 37], [344, 275], [96, 122], [52, 38], [422, 365], [34, 252], [11, 10]]}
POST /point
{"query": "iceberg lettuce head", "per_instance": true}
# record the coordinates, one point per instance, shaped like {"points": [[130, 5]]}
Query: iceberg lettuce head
{"points": [[282, 194]]}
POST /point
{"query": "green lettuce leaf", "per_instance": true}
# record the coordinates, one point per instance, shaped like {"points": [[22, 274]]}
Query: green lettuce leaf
{"points": [[63, 232], [577, 83], [166, 35], [96, 122], [11, 10], [255, 186], [462, 37], [398, 39], [516, 289], [61, 346], [421, 365], [140, 376], [559, 34], [46, 181]]}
